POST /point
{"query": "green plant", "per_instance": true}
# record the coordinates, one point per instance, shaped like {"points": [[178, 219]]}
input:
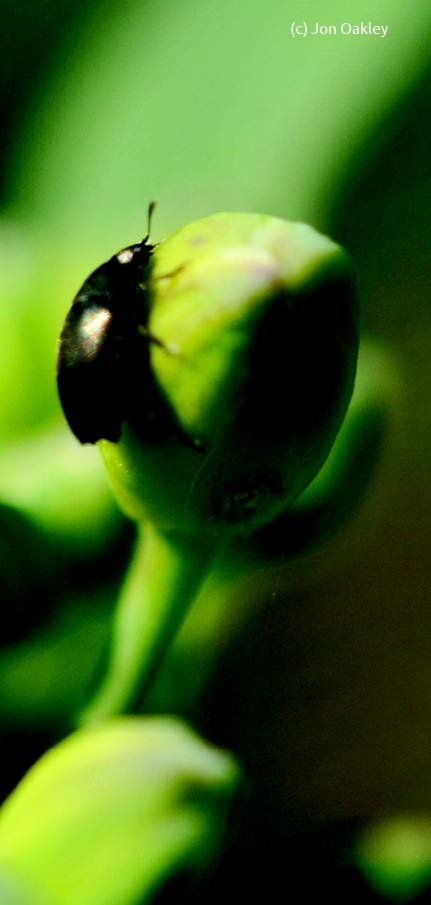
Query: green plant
{"points": [[107, 814], [248, 348], [331, 134], [252, 330]]}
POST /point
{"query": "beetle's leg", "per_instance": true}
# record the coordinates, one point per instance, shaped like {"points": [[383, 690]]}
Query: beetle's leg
{"points": [[155, 341], [171, 273]]}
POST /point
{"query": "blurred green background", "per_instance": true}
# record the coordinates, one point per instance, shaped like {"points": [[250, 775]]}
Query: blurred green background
{"points": [[319, 674]]}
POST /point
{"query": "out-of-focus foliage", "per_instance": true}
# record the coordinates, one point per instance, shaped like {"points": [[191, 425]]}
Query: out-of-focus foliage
{"points": [[207, 106], [110, 814], [395, 855]]}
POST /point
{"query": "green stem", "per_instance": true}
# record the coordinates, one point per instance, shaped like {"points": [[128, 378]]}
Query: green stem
{"points": [[164, 576]]}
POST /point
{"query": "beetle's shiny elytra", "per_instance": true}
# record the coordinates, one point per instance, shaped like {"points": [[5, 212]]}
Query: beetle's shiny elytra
{"points": [[103, 372]]}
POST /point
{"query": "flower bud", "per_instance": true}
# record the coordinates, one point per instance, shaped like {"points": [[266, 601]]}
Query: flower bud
{"points": [[253, 343], [112, 813], [394, 854]]}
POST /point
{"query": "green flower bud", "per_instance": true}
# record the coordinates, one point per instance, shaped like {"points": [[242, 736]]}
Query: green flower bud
{"points": [[110, 814], [215, 370], [394, 855], [253, 337]]}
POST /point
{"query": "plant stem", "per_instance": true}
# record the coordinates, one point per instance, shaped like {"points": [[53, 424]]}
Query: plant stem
{"points": [[163, 578]]}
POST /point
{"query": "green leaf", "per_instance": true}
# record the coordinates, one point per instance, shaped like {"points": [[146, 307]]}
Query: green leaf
{"points": [[206, 107]]}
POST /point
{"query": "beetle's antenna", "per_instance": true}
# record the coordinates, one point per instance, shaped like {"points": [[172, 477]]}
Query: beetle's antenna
{"points": [[151, 207]]}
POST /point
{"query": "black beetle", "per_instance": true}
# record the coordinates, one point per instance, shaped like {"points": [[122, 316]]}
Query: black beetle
{"points": [[103, 372]]}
